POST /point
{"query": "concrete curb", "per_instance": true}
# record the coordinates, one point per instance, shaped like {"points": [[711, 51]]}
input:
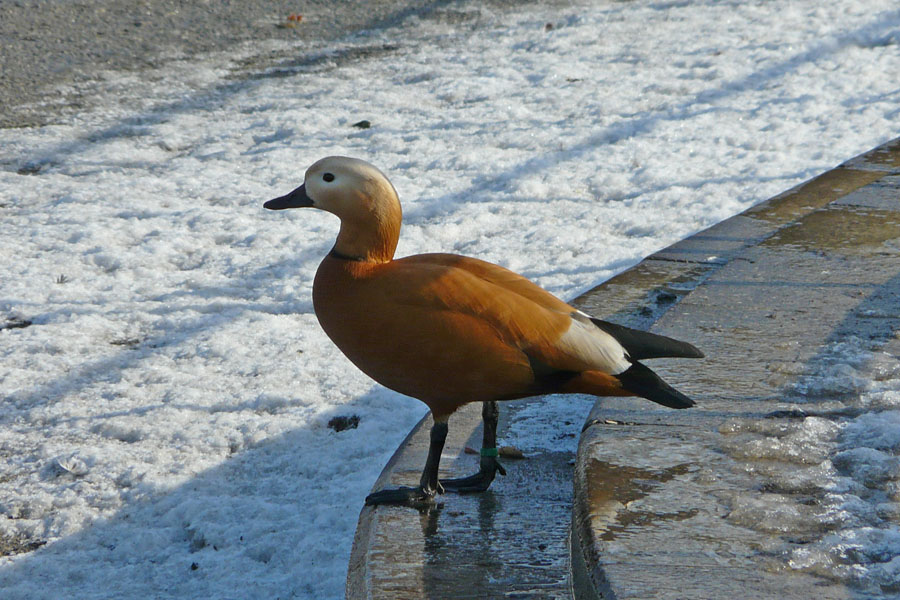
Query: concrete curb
{"points": [[652, 487]]}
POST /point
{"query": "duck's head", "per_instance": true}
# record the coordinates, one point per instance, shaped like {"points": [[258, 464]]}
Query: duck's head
{"points": [[361, 196]]}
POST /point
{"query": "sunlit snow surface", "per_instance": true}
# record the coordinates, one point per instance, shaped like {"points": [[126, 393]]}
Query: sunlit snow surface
{"points": [[164, 419]]}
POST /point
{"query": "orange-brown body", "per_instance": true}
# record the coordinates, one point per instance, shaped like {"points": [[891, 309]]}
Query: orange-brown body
{"points": [[449, 330]]}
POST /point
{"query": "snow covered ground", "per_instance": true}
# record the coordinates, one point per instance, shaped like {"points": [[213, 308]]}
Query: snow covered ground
{"points": [[164, 420]]}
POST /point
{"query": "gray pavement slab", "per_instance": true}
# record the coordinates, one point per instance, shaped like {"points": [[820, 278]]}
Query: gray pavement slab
{"points": [[657, 492]]}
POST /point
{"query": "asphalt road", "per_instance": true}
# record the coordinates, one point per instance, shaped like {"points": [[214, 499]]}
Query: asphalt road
{"points": [[46, 45]]}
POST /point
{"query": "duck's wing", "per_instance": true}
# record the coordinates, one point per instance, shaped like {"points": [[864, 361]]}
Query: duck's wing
{"points": [[553, 335], [639, 345], [567, 350]]}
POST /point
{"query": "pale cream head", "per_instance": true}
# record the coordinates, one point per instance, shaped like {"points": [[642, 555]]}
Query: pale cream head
{"points": [[364, 200]]}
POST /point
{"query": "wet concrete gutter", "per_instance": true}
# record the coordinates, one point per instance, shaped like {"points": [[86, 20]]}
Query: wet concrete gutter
{"points": [[509, 542], [649, 515], [763, 294]]}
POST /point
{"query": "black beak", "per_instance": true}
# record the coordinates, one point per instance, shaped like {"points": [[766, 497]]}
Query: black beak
{"points": [[296, 199]]}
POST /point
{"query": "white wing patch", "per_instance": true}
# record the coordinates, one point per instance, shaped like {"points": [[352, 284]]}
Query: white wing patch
{"points": [[590, 344]]}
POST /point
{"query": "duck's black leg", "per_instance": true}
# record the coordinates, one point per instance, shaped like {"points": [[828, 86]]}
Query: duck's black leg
{"points": [[489, 466], [428, 486]]}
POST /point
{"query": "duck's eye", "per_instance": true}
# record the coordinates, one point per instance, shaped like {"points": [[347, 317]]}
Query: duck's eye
{"points": [[328, 177]]}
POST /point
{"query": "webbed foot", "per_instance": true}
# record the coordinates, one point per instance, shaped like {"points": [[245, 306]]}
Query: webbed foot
{"points": [[423, 494], [408, 496], [480, 481]]}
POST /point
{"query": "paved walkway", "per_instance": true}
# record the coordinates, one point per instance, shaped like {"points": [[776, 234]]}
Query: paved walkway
{"points": [[676, 504], [763, 294]]}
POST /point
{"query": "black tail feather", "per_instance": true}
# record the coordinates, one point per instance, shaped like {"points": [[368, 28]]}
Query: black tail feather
{"points": [[642, 345], [640, 380]]}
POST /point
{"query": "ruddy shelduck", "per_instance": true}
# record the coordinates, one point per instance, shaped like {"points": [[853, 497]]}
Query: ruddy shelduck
{"points": [[450, 330]]}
